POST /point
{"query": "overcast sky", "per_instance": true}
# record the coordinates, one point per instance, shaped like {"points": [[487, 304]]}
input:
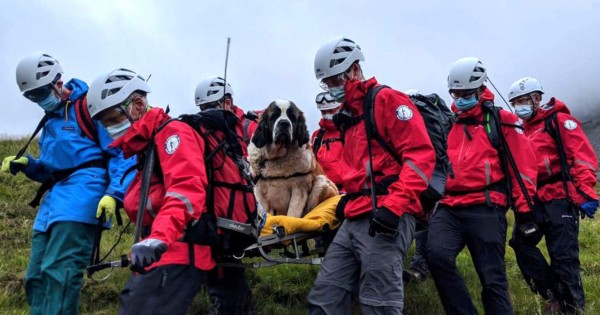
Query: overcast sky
{"points": [[407, 44]]}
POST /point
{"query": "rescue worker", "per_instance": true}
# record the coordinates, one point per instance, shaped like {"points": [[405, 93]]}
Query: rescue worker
{"points": [[367, 253], [326, 141], [228, 289], [557, 210], [79, 176], [472, 212], [177, 195], [209, 94]]}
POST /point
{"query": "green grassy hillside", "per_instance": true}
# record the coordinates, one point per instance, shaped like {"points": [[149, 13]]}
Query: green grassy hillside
{"points": [[277, 290]]}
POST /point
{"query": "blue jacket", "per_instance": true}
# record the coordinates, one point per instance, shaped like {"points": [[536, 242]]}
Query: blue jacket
{"points": [[63, 146]]}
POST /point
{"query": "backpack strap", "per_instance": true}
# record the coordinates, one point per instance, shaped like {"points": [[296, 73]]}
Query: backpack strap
{"points": [[318, 141], [371, 126], [84, 120], [493, 128], [35, 132]]}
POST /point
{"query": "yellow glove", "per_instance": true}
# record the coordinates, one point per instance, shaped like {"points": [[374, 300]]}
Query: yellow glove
{"points": [[9, 164], [107, 205]]}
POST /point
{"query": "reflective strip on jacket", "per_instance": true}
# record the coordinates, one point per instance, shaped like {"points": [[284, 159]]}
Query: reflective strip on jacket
{"points": [[580, 154], [63, 146]]}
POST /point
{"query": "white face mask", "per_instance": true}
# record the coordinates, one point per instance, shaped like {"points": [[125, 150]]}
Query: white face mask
{"points": [[117, 130], [328, 116]]}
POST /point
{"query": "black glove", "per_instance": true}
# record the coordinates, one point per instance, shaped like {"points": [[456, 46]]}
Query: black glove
{"points": [[147, 252], [528, 228], [384, 221]]}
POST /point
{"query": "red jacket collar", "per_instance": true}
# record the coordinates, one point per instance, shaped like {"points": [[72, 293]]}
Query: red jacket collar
{"points": [[141, 132], [553, 106], [356, 91], [327, 124]]}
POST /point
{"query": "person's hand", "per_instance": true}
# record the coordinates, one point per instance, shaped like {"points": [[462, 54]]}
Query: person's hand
{"points": [[384, 221], [528, 228], [107, 206], [12, 165], [147, 252], [588, 208]]}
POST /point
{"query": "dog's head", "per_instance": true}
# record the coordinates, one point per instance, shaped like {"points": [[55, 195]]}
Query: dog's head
{"points": [[282, 124]]}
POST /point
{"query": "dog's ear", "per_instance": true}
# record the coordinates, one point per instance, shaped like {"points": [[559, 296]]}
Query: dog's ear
{"points": [[262, 135], [301, 131]]}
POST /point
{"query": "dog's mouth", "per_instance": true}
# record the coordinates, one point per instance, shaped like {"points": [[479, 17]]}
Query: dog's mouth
{"points": [[283, 138]]}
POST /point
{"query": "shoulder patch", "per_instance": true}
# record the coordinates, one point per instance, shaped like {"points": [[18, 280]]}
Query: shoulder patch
{"points": [[519, 123], [570, 124], [403, 112], [172, 144]]}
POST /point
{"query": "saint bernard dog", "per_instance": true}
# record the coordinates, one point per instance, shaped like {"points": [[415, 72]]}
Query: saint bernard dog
{"points": [[289, 179]]}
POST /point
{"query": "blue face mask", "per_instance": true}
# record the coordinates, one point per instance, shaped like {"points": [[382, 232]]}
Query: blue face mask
{"points": [[50, 103], [338, 93], [465, 104], [523, 111]]}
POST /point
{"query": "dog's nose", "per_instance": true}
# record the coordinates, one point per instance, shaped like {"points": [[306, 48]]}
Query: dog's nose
{"points": [[285, 124]]}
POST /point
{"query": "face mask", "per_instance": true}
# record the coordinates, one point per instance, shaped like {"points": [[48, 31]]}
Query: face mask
{"points": [[465, 104], [117, 130], [523, 111], [328, 116], [50, 103], [338, 93]]}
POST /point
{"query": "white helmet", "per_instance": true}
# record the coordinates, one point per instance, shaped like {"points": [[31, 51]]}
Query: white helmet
{"points": [[412, 92], [524, 86], [466, 74], [211, 90], [326, 102], [113, 88], [336, 56], [37, 70]]}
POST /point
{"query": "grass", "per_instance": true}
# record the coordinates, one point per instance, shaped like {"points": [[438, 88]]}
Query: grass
{"points": [[277, 290]]}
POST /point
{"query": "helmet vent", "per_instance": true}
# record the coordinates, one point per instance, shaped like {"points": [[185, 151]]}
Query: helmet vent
{"points": [[41, 74]]}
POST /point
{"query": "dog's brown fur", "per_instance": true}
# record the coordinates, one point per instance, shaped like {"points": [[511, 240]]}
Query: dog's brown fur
{"points": [[290, 181]]}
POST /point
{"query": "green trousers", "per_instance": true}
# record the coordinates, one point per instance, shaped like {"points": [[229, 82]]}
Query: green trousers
{"points": [[56, 264]]}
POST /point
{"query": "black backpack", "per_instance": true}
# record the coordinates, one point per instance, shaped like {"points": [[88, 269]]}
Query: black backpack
{"points": [[438, 122]]}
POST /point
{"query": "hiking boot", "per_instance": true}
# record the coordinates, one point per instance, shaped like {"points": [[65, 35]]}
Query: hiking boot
{"points": [[413, 276]]}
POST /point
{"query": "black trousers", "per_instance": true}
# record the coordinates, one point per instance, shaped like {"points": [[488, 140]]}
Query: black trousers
{"points": [[561, 279], [168, 290], [228, 290], [482, 229]]}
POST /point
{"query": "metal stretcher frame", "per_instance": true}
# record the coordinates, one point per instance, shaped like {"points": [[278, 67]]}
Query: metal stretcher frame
{"points": [[261, 246]]}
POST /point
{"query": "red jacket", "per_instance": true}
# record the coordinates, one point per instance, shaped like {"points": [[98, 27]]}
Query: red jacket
{"points": [[475, 165], [246, 129], [579, 152], [402, 127], [330, 152]]}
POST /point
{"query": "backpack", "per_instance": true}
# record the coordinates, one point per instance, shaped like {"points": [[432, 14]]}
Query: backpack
{"points": [[85, 121], [493, 126], [438, 122], [204, 230], [319, 141]]}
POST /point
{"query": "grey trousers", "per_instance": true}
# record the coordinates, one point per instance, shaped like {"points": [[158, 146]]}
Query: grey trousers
{"points": [[372, 266]]}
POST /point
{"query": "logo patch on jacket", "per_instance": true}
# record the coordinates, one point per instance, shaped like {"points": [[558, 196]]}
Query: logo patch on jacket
{"points": [[403, 112], [519, 126], [570, 124], [172, 144]]}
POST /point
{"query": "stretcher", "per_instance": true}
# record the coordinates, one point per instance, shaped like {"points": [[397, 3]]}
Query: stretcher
{"points": [[282, 239]]}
